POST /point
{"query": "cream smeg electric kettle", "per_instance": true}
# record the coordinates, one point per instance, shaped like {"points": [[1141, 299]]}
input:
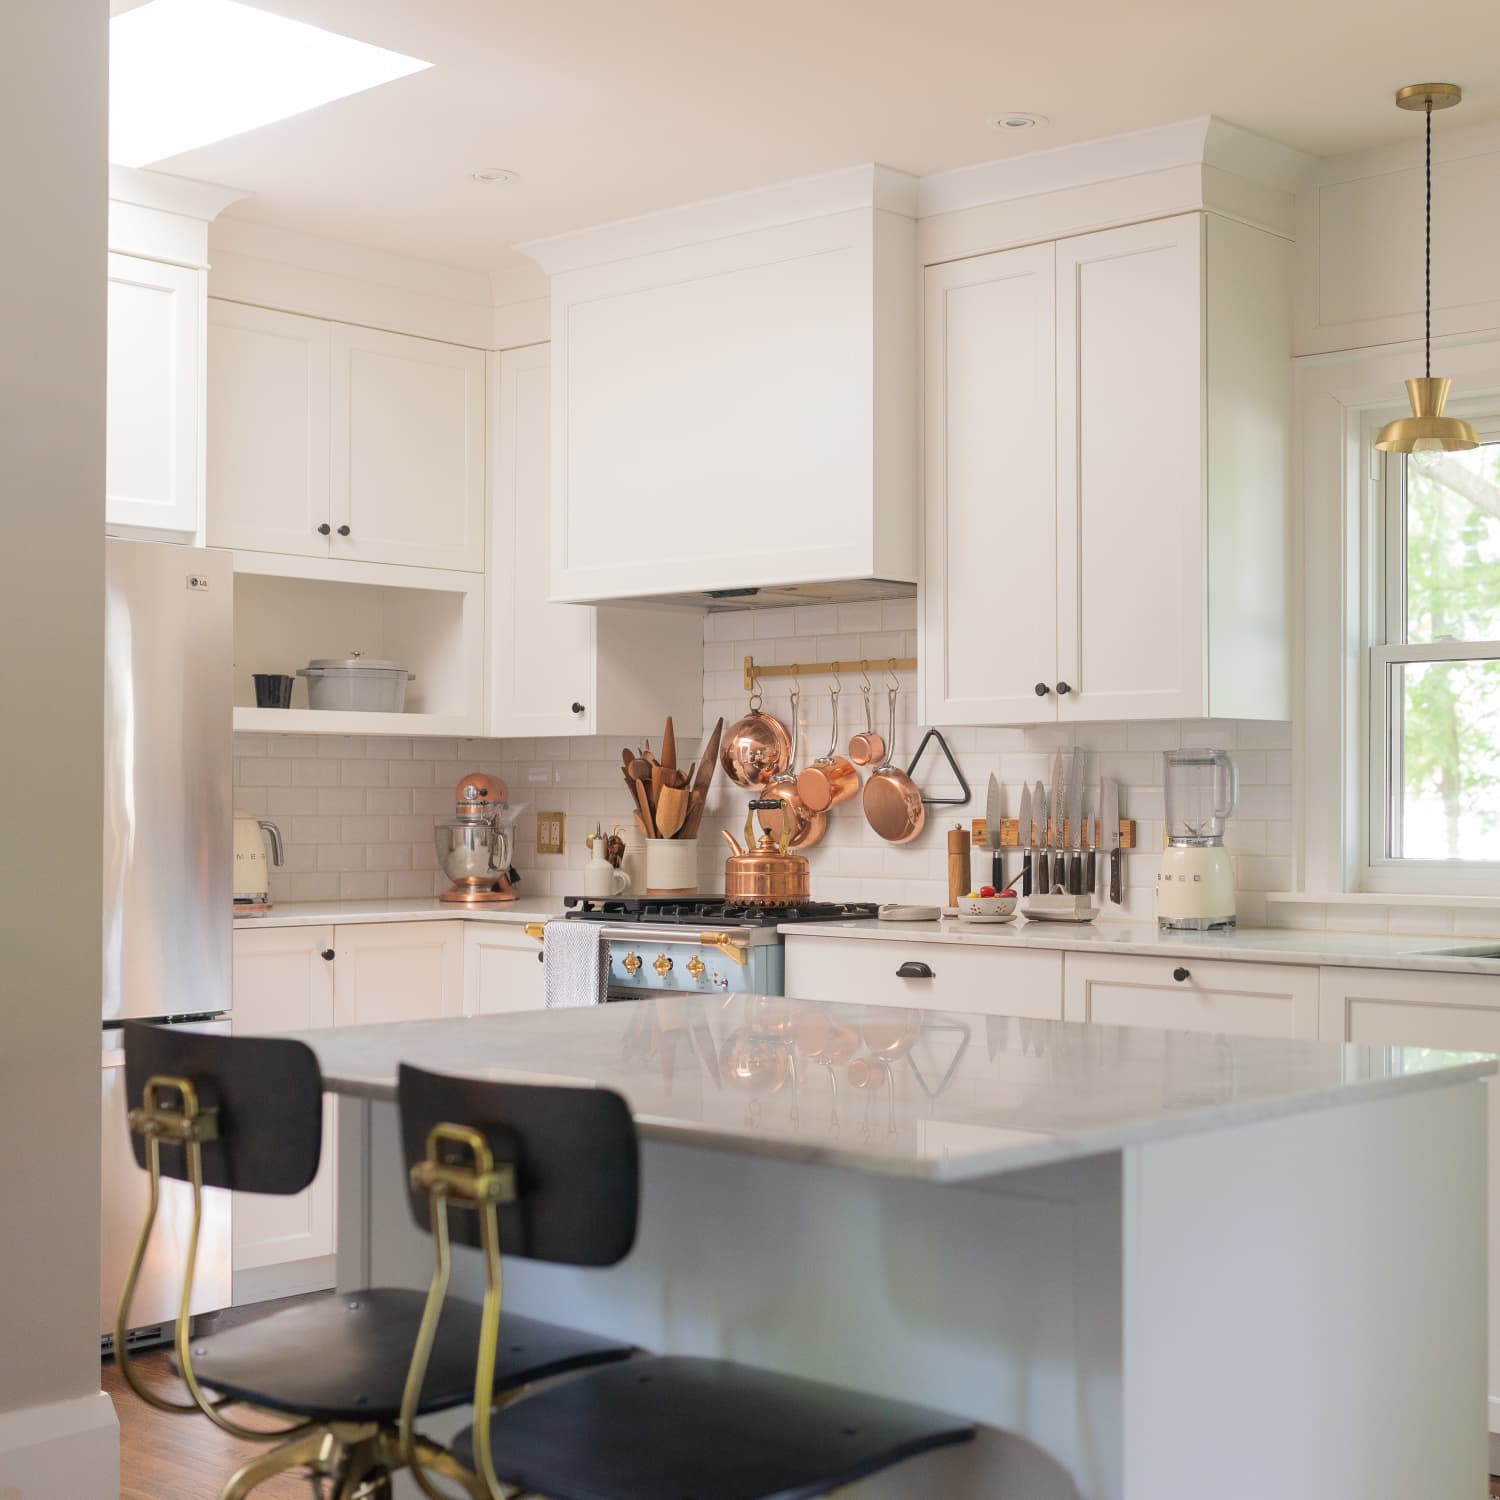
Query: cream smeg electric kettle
{"points": [[252, 861]]}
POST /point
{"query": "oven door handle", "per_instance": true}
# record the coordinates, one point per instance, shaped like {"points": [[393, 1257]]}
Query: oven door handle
{"points": [[735, 952]]}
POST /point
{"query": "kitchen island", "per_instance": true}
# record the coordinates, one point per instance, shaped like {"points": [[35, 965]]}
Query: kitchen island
{"points": [[1150, 1265]]}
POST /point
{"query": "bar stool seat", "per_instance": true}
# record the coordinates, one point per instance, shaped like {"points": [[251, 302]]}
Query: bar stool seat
{"points": [[702, 1429], [343, 1357]]}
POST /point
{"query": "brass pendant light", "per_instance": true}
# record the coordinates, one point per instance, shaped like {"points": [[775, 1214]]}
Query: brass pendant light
{"points": [[1427, 429]]}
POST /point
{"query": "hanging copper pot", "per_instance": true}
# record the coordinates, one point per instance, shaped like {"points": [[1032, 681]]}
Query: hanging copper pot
{"points": [[893, 801], [755, 748], [830, 779], [868, 748], [807, 826]]}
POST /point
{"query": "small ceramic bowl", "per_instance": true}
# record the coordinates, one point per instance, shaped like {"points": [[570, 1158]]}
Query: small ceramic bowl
{"points": [[986, 908]]}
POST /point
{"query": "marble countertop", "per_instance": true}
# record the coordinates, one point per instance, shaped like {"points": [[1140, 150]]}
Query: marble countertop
{"points": [[1252, 945], [415, 909], [957, 1098]]}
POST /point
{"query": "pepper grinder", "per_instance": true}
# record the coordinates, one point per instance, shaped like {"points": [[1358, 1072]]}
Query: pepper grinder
{"points": [[959, 873]]}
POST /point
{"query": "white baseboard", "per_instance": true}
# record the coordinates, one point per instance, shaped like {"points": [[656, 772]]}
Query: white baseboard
{"points": [[266, 1283], [65, 1450]]}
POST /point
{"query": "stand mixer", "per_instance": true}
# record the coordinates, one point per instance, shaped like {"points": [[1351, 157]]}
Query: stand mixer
{"points": [[474, 846], [1195, 886]]}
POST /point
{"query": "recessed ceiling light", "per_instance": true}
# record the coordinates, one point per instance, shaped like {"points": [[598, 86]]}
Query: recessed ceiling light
{"points": [[1017, 120], [185, 73], [494, 174]]}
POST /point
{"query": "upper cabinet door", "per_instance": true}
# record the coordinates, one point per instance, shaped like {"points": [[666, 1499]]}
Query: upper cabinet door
{"points": [[153, 444], [267, 430], [542, 654], [1131, 472], [408, 450], [990, 493]]}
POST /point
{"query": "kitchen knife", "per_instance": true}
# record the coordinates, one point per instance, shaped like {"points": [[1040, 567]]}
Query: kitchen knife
{"points": [[992, 833], [1109, 818], [1025, 840], [1042, 867], [1058, 872], [1090, 860], [1075, 824]]}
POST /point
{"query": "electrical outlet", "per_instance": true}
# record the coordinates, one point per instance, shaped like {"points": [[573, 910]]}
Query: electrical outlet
{"points": [[551, 832]]}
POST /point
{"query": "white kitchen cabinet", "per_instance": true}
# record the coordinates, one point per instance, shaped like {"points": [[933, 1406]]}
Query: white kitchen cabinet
{"points": [[1451, 1012], [407, 462], [284, 981], [268, 430], [398, 971], [1120, 488], [743, 370], [502, 969], [1191, 994], [350, 444], [153, 452], [931, 975], [567, 669]]}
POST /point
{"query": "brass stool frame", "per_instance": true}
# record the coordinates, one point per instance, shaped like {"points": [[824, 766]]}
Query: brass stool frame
{"points": [[358, 1456]]}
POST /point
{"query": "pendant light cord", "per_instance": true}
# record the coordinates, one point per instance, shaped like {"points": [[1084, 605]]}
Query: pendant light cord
{"points": [[1427, 248]]}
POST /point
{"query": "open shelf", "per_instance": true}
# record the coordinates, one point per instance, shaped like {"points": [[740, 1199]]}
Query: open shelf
{"points": [[428, 620]]}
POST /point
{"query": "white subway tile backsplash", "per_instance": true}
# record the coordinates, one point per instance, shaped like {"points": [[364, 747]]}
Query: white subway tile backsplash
{"points": [[364, 772], [315, 772]]}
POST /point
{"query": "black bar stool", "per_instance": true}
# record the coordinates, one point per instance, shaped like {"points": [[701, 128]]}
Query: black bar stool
{"points": [[247, 1113], [551, 1174]]}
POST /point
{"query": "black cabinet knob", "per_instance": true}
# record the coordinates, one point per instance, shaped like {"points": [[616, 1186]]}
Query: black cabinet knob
{"points": [[913, 970], [1042, 690], [541, 957], [578, 708], [1181, 975], [328, 954], [343, 531], [325, 529], [1063, 688]]}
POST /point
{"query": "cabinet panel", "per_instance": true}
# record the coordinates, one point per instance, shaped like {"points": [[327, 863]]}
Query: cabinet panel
{"points": [[408, 450], [154, 396], [990, 508], [1131, 471], [501, 970], [1454, 1012], [398, 971], [282, 983], [1013, 982], [268, 430], [1233, 999]]}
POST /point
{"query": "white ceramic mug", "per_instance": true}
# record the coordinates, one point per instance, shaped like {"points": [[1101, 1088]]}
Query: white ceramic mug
{"points": [[671, 867], [601, 879]]}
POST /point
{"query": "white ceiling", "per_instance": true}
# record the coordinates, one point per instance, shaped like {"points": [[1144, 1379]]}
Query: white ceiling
{"points": [[610, 108]]}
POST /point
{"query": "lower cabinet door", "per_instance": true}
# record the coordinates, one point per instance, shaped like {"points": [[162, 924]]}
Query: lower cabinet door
{"points": [[929, 975], [1453, 1012], [398, 971], [284, 981], [502, 969], [1229, 998]]}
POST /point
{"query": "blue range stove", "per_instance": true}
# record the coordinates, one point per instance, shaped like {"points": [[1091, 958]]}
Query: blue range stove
{"points": [[699, 944]]}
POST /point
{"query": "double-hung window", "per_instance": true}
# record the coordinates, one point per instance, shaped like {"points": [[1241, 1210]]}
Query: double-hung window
{"points": [[1433, 672]]}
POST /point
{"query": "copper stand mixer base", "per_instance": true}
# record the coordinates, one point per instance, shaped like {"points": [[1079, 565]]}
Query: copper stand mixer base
{"points": [[479, 892]]}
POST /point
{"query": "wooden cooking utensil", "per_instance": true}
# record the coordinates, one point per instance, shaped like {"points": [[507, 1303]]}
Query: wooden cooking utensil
{"points": [[673, 779], [671, 811], [705, 774], [669, 746], [640, 767], [658, 780], [643, 802]]}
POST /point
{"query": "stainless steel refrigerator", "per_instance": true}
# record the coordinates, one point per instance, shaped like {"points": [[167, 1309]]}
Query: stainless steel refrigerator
{"points": [[168, 821]]}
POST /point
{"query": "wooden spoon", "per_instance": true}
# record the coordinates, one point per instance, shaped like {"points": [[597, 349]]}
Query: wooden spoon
{"points": [[671, 811], [669, 746], [701, 779]]}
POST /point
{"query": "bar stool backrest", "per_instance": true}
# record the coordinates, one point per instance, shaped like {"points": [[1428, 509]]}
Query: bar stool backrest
{"points": [[267, 1093], [572, 1151]]}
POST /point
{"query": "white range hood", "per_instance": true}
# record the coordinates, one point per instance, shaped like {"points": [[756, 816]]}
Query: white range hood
{"points": [[735, 398]]}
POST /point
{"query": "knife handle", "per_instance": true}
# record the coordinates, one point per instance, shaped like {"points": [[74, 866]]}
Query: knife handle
{"points": [[1026, 874], [997, 869], [1041, 874], [1115, 893], [1090, 872], [1075, 874]]}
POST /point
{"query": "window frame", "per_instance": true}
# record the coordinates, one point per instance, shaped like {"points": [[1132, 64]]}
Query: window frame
{"points": [[1384, 594]]}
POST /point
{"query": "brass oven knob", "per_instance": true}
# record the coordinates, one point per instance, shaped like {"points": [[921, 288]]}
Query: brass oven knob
{"points": [[632, 964], [696, 966], [663, 965]]}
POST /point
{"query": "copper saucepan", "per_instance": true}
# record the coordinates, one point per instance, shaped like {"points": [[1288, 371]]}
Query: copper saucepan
{"points": [[830, 779], [867, 749], [893, 801], [755, 748]]}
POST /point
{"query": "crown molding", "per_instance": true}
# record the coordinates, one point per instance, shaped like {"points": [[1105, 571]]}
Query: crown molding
{"points": [[173, 195]]}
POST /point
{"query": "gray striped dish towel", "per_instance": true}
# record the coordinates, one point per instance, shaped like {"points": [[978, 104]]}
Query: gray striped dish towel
{"points": [[576, 971]]}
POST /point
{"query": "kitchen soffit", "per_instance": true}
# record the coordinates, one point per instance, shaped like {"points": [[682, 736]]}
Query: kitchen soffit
{"points": [[610, 111]]}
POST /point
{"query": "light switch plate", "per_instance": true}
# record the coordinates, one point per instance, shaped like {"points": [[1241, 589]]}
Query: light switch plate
{"points": [[551, 832]]}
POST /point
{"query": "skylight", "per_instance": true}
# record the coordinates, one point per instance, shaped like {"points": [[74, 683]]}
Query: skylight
{"points": [[184, 73]]}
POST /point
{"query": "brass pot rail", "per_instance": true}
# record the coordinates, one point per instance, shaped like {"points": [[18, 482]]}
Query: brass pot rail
{"points": [[754, 669]]}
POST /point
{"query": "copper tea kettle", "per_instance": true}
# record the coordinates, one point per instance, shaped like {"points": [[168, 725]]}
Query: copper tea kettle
{"points": [[764, 873]]}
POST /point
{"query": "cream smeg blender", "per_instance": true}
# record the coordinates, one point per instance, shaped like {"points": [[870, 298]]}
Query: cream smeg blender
{"points": [[1195, 887]]}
